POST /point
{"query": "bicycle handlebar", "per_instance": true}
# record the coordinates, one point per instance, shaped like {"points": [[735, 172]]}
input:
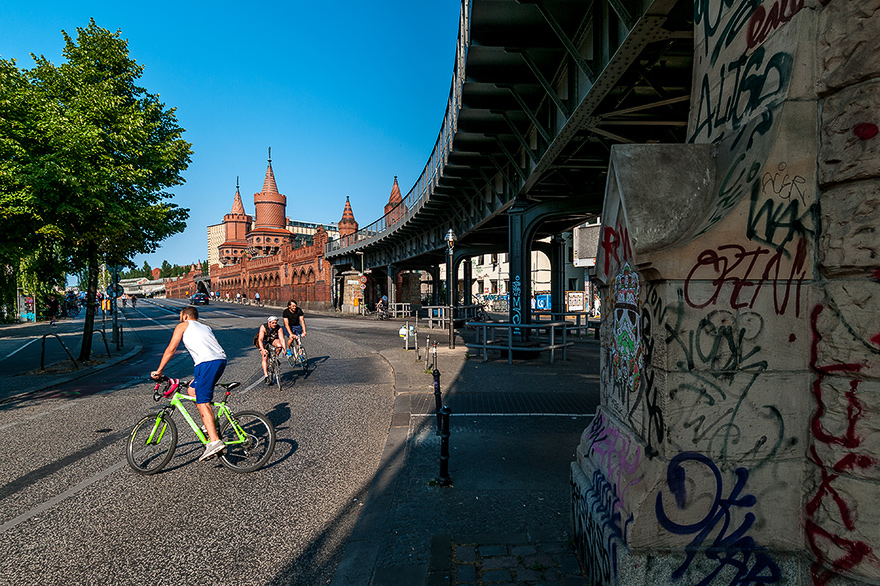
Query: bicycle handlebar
{"points": [[170, 385]]}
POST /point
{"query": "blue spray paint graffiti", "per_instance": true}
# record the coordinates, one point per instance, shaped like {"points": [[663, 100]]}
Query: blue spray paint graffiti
{"points": [[516, 299], [737, 551], [599, 528]]}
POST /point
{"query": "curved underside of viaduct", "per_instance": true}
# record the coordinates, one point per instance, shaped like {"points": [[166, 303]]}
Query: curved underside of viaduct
{"points": [[542, 89]]}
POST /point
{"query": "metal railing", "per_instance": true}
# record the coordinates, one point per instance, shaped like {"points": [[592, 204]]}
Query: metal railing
{"points": [[43, 351]]}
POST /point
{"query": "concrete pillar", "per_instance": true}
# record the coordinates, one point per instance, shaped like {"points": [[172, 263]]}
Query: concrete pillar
{"points": [[740, 354]]}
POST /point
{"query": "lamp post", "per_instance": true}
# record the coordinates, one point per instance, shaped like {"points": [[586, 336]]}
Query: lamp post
{"points": [[450, 243]]}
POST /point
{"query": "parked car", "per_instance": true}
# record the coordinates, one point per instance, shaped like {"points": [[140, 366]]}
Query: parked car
{"points": [[199, 299]]}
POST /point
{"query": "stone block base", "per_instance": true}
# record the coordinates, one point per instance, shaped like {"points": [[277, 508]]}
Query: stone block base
{"points": [[599, 532]]}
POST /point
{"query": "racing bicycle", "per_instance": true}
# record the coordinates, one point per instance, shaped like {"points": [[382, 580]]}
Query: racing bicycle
{"points": [[273, 366], [298, 356], [249, 435]]}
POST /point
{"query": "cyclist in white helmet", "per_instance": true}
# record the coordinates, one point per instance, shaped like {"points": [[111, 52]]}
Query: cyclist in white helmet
{"points": [[270, 336]]}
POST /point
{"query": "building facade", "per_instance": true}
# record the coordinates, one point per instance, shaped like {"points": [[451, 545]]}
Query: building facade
{"points": [[270, 255]]}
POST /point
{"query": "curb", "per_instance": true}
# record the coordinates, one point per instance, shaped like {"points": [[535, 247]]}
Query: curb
{"points": [[75, 375]]}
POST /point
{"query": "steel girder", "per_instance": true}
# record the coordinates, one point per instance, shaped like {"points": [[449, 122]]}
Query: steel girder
{"points": [[542, 90]]}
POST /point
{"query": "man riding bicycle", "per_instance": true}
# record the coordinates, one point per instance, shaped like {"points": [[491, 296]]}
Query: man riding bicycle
{"points": [[294, 322], [270, 336], [209, 360]]}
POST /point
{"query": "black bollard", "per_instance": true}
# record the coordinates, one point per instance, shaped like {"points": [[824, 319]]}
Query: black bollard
{"points": [[443, 415], [438, 403]]}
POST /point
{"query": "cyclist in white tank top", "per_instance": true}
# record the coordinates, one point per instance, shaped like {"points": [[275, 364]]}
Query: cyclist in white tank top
{"points": [[201, 344], [209, 363]]}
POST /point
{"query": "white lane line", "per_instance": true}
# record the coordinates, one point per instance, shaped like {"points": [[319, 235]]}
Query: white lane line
{"points": [[61, 497], [21, 348], [572, 415]]}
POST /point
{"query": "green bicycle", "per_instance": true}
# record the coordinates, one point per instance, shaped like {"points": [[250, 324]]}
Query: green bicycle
{"points": [[249, 435], [298, 356]]}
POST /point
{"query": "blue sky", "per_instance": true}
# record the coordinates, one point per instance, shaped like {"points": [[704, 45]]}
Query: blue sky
{"points": [[347, 94]]}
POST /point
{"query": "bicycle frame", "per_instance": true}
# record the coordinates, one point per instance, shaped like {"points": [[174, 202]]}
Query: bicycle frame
{"points": [[177, 403]]}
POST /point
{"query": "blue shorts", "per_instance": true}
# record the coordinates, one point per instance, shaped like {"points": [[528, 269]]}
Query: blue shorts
{"points": [[205, 376], [298, 330]]}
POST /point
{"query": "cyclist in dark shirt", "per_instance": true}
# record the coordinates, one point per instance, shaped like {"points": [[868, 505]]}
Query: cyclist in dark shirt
{"points": [[294, 322], [270, 336]]}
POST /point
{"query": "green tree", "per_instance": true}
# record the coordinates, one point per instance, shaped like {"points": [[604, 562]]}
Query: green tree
{"points": [[95, 156], [166, 270]]}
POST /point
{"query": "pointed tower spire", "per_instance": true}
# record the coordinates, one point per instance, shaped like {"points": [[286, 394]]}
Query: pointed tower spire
{"points": [[347, 225], [269, 182], [395, 193], [237, 205], [394, 209]]}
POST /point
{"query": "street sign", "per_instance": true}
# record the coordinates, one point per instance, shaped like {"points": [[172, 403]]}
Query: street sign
{"points": [[363, 286], [363, 279], [115, 291]]}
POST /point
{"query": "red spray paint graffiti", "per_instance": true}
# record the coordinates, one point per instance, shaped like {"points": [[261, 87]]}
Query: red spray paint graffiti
{"points": [[855, 552], [615, 245]]}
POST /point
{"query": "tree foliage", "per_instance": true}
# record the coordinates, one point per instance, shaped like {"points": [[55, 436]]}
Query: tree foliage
{"points": [[86, 159]]}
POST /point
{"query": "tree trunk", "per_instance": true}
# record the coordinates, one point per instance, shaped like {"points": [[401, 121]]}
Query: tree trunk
{"points": [[91, 296]]}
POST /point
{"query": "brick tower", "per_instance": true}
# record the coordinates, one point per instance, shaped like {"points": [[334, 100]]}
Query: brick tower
{"points": [[347, 225], [236, 225], [393, 211], [270, 231]]}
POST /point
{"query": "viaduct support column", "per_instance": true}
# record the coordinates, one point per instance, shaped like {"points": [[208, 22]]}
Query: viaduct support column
{"points": [[391, 288], [468, 281], [435, 284], [557, 274], [519, 247]]}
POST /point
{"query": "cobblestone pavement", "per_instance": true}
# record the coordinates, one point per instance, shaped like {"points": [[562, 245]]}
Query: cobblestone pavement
{"points": [[512, 560]]}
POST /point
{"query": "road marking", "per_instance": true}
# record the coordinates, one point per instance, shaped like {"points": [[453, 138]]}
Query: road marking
{"points": [[61, 497], [21, 348], [573, 415]]}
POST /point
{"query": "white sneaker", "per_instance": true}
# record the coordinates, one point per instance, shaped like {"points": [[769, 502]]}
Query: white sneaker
{"points": [[211, 449]]}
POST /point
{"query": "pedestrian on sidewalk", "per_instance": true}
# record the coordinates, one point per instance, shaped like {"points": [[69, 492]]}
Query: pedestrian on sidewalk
{"points": [[52, 309]]}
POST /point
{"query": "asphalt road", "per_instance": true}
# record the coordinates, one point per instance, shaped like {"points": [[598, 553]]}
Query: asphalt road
{"points": [[72, 512]]}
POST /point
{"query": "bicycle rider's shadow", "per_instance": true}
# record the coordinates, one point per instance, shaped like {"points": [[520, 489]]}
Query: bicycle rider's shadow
{"points": [[193, 449], [313, 364], [279, 415]]}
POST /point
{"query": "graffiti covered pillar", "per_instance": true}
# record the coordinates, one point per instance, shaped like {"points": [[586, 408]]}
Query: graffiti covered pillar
{"points": [[740, 352], [519, 261]]}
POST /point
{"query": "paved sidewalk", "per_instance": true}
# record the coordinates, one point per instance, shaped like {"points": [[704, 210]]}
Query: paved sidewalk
{"points": [[505, 518]]}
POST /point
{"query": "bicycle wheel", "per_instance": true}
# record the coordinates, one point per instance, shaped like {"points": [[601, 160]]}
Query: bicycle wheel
{"points": [[151, 443], [250, 441], [303, 358], [277, 362]]}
